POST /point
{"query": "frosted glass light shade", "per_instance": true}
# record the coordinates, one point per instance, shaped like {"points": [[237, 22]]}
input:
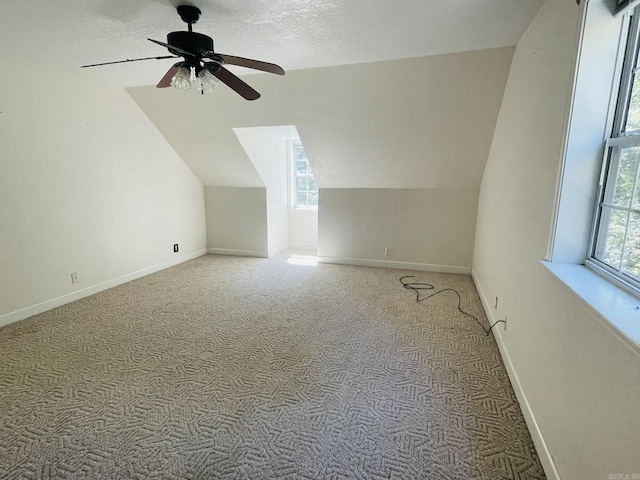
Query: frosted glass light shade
{"points": [[208, 81], [182, 79]]}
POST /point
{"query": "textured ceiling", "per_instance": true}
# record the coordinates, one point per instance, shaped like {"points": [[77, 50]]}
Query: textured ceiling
{"points": [[374, 122], [296, 34]]}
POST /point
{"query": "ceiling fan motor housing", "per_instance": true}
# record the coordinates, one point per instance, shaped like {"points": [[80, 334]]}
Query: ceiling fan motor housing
{"points": [[192, 42]]}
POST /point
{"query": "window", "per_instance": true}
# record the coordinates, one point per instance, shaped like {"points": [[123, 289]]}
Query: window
{"points": [[304, 191], [615, 246], [621, 5]]}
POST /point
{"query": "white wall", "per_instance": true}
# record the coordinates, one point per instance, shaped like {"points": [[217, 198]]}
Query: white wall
{"points": [[237, 220], [87, 185], [418, 123], [267, 149], [423, 227], [303, 228], [580, 382]]}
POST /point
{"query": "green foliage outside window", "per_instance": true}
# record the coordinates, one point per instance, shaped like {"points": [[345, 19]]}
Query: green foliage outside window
{"points": [[305, 187]]}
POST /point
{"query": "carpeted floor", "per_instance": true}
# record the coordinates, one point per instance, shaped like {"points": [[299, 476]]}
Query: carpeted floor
{"points": [[241, 368]]}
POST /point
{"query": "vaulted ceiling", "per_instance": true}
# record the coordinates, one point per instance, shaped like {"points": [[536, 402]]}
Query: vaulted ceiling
{"points": [[308, 38], [422, 122]]}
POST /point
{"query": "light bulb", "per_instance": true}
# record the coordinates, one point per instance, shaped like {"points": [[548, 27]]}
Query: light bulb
{"points": [[182, 79], [208, 81]]}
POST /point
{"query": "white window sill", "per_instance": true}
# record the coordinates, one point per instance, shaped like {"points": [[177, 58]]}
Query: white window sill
{"points": [[619, 310]]}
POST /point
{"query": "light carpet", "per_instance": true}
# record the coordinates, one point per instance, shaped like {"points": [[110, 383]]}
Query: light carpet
{"points": [[244, 368]]}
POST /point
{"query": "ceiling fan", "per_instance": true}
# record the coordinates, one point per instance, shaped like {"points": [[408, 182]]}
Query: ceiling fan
{"points": [[200, 61]]}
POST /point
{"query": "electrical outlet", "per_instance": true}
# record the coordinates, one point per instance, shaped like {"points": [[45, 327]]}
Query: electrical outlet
{"points": [[496, 307], [387, 251], [175, 247], [74, 277]]}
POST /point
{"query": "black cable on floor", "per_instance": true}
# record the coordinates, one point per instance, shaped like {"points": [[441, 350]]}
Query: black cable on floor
{"points": [[417, 287]]}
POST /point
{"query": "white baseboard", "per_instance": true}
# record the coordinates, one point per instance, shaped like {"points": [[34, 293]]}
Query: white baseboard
{"points": [[278, 250], [237, 253], [41, 307], [426, 267], [546, 459]]}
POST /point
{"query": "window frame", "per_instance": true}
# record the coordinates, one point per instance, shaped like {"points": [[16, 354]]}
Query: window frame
{"points": [[616, 141], [294, 175]]}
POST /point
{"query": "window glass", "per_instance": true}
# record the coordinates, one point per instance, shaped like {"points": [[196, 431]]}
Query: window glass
{"points": [[631, 259], [616, 240], [633, 116], [626, 176], [304, 186]]}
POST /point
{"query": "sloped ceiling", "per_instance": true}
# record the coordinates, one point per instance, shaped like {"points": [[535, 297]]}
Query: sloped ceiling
{"points": [[375, 121], [413, 123]]}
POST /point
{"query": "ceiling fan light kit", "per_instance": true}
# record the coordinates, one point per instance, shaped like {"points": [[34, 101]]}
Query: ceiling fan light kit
{"points": [[182, 79], [200, 61], [208, 81]]}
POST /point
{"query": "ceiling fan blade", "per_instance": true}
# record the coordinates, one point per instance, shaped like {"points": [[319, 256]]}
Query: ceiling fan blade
{"points": [[172, 48], [236, 84], [166, 80], [128, 60], [249, 63]]}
